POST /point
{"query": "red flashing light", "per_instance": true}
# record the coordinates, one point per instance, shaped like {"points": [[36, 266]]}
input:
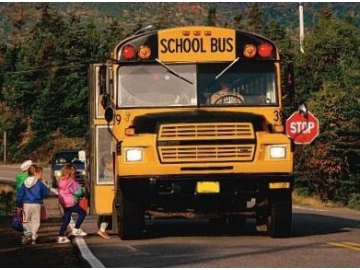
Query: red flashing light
{"points": [[265, 50], [128, 52]]}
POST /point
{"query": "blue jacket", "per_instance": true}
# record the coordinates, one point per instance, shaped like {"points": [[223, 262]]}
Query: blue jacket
{"points": [[32, 191]]}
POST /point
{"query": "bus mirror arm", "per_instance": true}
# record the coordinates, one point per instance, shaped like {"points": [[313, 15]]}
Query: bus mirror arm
{"points": [[109, 117]]}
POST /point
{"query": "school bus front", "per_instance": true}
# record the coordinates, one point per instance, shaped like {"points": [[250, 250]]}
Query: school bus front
{"points": [[185, 148]]}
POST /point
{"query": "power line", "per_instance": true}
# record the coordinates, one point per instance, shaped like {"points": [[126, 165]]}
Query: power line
{"points": [[47, 68]]}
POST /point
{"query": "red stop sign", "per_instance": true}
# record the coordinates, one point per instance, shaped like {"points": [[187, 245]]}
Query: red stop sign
{"points": [[302, 130]]}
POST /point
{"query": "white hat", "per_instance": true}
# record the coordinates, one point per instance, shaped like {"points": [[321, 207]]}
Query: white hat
{"points": [[26, 164]]}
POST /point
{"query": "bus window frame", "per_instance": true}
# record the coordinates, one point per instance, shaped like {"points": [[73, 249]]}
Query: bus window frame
{"points": [[101, 152]]}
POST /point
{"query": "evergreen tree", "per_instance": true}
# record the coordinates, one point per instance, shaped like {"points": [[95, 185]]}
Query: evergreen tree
{"points": [[329, 81], [211, 19], [255, 20]]}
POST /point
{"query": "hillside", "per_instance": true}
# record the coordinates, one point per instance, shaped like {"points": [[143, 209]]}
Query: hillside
{"points": [[103, 13]]}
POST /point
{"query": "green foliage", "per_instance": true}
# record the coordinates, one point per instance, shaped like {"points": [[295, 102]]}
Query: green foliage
{"points": [[328, 80], [354, 201], [7, 200]]}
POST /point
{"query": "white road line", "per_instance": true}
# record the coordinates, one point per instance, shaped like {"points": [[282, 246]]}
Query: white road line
{"points": [[84, 249], [310, 209], [87, 254]]}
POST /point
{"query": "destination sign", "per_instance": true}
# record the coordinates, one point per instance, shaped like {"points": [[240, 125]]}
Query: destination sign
{"points": [[198, 44]]}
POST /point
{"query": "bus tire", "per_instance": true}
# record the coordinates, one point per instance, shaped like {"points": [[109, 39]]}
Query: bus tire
{"points": [[280, 218], [130, 219]]}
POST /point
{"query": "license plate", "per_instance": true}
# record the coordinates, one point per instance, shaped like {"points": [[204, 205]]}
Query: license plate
{"points": [[208, 187]]}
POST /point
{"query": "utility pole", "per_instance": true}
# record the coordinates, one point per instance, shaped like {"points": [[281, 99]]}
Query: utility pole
{"points": [[4, 147], [301, 26]]}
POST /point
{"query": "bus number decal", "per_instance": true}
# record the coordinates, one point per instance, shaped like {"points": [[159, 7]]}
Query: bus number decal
{"points": [[277, 115]]}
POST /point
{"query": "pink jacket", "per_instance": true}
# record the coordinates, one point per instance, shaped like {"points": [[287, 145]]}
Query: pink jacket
{"points": [[69, 192]]}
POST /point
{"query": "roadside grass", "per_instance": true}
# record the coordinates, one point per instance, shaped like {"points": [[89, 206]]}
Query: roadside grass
{"points": [[7, 199], [312, 201]]}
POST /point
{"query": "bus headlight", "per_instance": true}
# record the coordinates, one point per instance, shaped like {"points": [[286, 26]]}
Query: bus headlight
{"points": [[277, 151], [133, 154]]}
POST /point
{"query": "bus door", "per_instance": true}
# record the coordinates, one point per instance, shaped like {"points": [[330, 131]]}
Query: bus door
{"points": [[100, 182]]}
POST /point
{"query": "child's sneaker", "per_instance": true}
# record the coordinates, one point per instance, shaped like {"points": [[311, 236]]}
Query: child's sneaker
{"points": [[103, 234], [26, 239], [78, 232], [63, 240]]}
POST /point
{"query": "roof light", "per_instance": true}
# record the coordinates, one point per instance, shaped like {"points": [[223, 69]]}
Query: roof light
{"points": [[249, 51], [265, 50], [144, 52], [128, 52]]}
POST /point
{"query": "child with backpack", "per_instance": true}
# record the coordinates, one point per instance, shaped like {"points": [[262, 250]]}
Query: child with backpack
{"points": [[30, 197], [69, 193]]}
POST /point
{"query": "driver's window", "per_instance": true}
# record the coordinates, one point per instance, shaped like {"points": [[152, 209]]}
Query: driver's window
{"points": [[249, 84]]}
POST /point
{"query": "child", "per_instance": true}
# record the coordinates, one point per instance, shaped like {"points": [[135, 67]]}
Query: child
{"points": [[107, 165], [108, 174], [30, 197], [69, 193]]}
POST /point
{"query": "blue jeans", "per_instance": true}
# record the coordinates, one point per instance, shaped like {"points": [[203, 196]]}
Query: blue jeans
{"points": [[67, 217]]}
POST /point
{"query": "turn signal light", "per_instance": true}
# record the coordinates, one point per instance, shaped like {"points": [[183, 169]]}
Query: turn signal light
{"points": [[144, 52], [249, 51], [129, 131]]}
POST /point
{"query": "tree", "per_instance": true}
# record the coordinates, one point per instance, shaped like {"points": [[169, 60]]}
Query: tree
{"points": [[328, 78], [255, 20]]}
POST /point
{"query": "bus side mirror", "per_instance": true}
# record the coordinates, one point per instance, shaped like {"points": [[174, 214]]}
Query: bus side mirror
{"points": [[109, 114], [303, 110]]}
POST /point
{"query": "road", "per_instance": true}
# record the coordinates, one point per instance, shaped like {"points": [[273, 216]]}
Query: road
{"points": [[320, 238]]}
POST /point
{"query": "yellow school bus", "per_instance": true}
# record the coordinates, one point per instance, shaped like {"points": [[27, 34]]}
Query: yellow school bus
{"points": [[191, 119]]}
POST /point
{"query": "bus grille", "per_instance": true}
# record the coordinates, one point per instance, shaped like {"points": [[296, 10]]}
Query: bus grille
{"points": [[202, 142], [216, 153], [206, 131]]}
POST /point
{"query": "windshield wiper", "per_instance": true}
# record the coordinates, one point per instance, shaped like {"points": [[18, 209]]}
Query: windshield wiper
{"points": [[173, 71], [225, 69]]}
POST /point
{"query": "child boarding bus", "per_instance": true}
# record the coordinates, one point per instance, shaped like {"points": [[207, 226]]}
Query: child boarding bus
{"points": [[190, 120]]}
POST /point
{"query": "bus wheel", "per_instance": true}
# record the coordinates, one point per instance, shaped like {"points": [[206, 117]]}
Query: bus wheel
{"points": [[279, 221], [130, 219]]}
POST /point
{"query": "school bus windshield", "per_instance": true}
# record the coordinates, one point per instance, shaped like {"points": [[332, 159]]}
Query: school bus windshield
{"points": [[186, 85]]}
